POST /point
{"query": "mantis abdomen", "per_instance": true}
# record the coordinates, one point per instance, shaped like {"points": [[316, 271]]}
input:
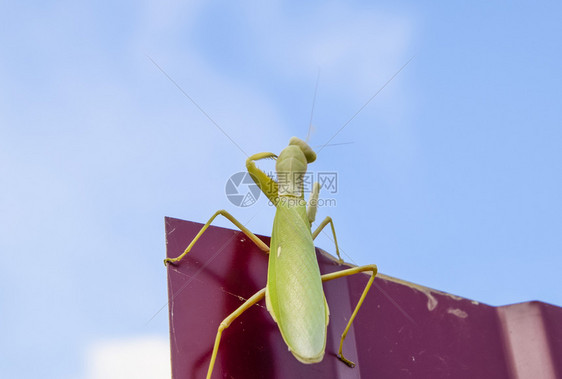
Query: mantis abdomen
{"points": [[294, 295]]}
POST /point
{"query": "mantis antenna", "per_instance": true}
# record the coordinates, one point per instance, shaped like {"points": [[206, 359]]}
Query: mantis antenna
{"points": [[313, 104]]}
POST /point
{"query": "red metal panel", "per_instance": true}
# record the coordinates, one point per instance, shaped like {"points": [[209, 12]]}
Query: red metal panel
{"points": [[402, 330], [532, 339]]}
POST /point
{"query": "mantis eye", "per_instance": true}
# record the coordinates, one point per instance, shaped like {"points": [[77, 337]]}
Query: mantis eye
{"points": [[309, 154]]}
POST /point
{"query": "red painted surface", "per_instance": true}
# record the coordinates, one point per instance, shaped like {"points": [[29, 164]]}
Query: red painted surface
{"points": [[402, 330]]}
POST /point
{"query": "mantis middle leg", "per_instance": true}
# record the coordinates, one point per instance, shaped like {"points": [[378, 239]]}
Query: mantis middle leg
{"points": [[231, 218], [328, 220], [311, 213]]}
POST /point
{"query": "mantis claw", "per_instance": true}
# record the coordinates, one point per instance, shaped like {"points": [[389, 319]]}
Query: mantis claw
{"points": [[169, 260], [346, 361]]}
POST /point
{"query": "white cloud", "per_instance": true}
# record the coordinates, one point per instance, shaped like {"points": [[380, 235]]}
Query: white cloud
{"points": [[359, 46], [138, 357]]}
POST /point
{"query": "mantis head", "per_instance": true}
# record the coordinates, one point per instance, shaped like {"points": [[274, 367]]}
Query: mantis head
{"points": [[291, 167]]}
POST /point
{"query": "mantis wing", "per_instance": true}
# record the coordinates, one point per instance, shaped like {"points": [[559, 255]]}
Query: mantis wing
{"points": [[294, 295]]}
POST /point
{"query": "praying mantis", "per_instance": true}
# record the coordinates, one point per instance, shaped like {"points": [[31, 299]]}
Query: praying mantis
{"points": [[293, 294]]}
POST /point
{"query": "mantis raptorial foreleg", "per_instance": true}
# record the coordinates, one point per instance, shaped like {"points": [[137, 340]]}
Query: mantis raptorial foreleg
{"points": [[341, 274], [231, 218], [260, 294], [313, 203]]}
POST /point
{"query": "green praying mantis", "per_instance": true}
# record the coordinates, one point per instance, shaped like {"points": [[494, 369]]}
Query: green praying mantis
{"points": [[294, 295]]}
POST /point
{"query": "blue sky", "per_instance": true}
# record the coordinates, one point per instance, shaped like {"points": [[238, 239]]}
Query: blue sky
{"points": [[452, 180]]}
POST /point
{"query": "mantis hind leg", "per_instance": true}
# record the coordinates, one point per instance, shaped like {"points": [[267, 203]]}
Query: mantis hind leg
{"points": [[231, 218], [226, 323], [341, 274], [328, 220]]}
